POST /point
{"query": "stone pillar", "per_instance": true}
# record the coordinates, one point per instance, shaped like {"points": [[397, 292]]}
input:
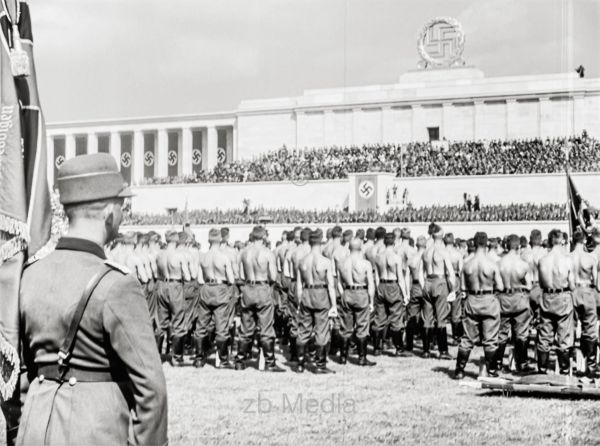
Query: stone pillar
{"points": [[69, 146], [356, 133], [544, 126], [478, 132], [229, 144], [235, 142], [578, 114], [115, 147], [162, 153], [212, 141], [446, 131], [186, 151], [418, 124], [137, 171], [92, 144], [511, 116]]}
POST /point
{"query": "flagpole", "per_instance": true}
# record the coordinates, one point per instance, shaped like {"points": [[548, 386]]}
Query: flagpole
{"points": [[569, 198]]}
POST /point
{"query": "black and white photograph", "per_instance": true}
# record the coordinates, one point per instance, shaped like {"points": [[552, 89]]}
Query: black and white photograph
{"points": [[299, 222]]}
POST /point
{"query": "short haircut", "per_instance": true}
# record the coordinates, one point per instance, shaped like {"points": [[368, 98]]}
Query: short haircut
{"points": [[523, 241], [480, 240], [336, 232], [578, 236], [93, 210], [355, 244], [315, 237], [555, 237], [380, 233], [290, 236], [360, 234], [535, 238], [348, 233], [513, 241], [305, 234], [389, 239], [224, 232], [421, 242], [214, 236], [449, 239], [370, 234]]}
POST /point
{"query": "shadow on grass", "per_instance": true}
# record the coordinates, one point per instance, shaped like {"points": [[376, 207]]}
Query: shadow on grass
{"points": [[450, 372], [539, 395]]}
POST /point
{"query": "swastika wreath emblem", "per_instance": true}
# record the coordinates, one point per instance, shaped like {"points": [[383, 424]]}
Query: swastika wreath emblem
{"points": [[441, 42], [59, 161], [221, 155], [196, 157], [148, 158], [366, 189]]}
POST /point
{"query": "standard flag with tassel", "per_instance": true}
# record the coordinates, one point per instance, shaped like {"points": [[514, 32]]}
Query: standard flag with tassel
{"points": [[579, 215], [25, 207]]}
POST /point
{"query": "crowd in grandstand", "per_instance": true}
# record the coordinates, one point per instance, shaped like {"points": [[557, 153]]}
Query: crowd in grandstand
{"points": [[413, 159], [409, 214]]}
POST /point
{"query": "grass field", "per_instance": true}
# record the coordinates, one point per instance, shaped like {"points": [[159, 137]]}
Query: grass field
{"points": [[400, 401]]}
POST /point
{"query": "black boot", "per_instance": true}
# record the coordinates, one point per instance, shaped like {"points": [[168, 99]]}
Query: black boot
{"points": [[461, 362], [334, 342], [268, 348], [377, 340], [321, 365], [344, 345], [520, 355], [542, 361], [361, 344], [490, 363], [223, 352], [442, 341], [500, 355], [200, 358], [457, 331], [589, 349], [177, 360], [244, 348], [410, 334], [564, 361], [398, 342], [231, 338], [293, 350], [301, 357], [427, 337]]}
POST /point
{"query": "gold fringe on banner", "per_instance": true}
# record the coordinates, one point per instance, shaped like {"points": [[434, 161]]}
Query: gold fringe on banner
{"points": [[11, 248], [9, 368], [14, 227]]}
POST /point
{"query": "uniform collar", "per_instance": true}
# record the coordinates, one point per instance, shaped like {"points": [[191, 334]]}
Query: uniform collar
{"points": [[80, 244]]}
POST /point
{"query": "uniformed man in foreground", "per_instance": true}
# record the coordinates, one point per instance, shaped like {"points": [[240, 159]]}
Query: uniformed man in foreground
{"points": [[557, 280], [416, 281], [480, 278], [357, 288], [316, 302], [257, 265], [95, 379], [515, 312]]}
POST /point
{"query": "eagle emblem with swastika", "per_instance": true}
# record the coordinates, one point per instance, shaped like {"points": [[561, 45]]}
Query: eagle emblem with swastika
{"points": [[172, 157], [366, 189], [126, 159], [196, 157], [441, 43], [149, 158], [59, 161], [221, 155]]}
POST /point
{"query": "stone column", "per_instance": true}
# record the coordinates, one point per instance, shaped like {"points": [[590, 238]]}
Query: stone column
{"points": [[115, 147], [544, 126], [92, 143], [69, 146], [186, 151], [137, 171], [229, 144], [578, 114], [212, 141], [162, 153], [418, 124], [236, 155], [511, 116]]}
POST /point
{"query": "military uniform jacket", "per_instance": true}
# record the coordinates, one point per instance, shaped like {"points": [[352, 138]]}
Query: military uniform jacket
{"points": [[114, 334]]}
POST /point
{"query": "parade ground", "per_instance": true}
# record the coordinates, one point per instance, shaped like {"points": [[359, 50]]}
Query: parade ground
{"points": [[400, 401]]}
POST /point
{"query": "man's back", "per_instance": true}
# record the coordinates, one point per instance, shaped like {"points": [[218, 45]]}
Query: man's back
{"points": [[434, 259], [256, 261], [354, 270], [388, 264], [532, 257], [513, 270], [313, 269], [480, 273], [555, 269], [584, 264], [215, 264]]}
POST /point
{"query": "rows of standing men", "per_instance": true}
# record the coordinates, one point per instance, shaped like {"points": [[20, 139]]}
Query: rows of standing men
{"points": [[329, 295]]}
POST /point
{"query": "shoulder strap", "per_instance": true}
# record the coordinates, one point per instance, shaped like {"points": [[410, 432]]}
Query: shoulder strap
{"points": [[69, 343]]}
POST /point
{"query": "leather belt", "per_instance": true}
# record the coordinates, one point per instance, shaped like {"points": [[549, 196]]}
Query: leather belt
{"points": [[174, 280], [257, 282], [355, 287], [416, 282], [514, 290], [555, 290], [74, 374], [316, 286], [388, 281], [481, 292], [216, 282], [434, 276], [585, 285]]}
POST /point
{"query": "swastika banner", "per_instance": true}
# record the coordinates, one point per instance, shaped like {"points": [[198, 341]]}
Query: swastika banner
{"points": [[366, 192], [173, 154], [126, 157], [149, 155]]}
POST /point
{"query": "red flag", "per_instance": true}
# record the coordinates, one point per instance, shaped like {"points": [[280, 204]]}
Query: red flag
{"points": [[25, 210]]}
